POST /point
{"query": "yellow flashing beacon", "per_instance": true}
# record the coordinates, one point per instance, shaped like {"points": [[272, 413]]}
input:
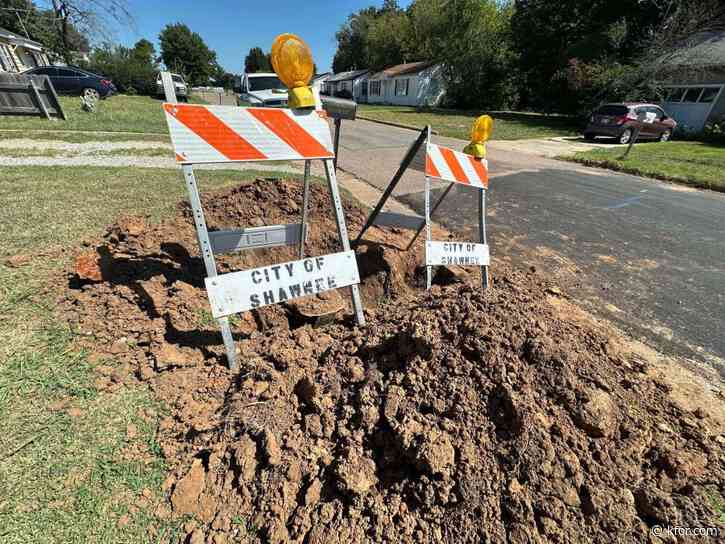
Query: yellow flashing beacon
{"points": [[480, 133], [292, 62]]}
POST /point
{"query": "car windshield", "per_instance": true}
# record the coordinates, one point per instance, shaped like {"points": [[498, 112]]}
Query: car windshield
{"points": [[612, 110], [177, 79], [264, 83]]}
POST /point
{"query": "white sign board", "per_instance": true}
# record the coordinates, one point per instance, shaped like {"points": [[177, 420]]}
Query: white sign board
{"points": [[456, 253], [248, 289]]}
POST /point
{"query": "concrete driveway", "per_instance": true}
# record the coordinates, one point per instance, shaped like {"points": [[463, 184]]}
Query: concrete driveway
{"points": [[647, 255]]}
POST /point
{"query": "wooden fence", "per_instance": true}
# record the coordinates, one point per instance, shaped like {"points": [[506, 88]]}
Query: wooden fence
{"points": [[28, 95]]}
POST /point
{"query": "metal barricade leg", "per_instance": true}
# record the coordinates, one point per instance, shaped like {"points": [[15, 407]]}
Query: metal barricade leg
{"points": [[409, 156], [207, 255], [305, 205], [432, 211], [482, 232], [428, 233], [342, 232]]}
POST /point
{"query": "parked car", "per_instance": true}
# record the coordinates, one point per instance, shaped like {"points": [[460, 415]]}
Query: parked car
{"points": [[620, 121], [76, 81], [262, 89], [180, 86]]}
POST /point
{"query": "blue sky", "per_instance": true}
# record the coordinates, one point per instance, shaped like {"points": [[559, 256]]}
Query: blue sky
{"points": [[232, 27]]}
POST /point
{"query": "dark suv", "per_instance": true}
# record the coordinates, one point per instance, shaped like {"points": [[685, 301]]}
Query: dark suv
{"points": [[620, 121], [72, 80]]}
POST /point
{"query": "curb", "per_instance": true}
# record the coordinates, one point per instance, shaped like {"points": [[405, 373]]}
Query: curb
{"points": [[391, 124]]}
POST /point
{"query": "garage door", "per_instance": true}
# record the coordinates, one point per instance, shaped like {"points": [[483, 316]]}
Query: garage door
{"points": [[691, 105]]}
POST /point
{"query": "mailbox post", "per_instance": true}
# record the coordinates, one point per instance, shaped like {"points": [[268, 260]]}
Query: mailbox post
{"points": [[339, 109]]}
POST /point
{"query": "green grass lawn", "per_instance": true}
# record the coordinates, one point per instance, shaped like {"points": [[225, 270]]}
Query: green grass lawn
{"points": [[118, 113], [63, 475], [455, 124], [691, 163]]}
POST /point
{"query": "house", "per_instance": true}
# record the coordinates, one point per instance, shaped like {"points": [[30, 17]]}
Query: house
{"points": [[318, 80], [694, 82], [410, 84], [18, 54], [354, 83]]}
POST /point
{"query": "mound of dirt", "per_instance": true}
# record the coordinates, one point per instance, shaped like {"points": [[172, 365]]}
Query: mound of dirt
{"points": [[451, 417], [147, 282]]}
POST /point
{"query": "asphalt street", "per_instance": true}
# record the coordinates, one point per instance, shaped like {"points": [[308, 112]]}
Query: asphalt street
{"points": [[647, 255]]}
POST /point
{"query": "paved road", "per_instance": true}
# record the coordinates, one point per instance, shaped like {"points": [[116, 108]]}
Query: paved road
{"points": [[647, 255]]}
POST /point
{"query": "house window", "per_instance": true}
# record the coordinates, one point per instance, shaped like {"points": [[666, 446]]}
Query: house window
{"points": [[375, 88], [401, 87], [709, 95], [675, 94], [6, 59], [38, 59], [692, 94]]}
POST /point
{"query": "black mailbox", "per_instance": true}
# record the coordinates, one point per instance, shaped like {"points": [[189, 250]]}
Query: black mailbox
{"points": [[339, 108]]}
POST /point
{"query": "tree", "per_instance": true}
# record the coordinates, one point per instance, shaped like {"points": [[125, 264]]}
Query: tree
{"points": [[144, 52], [257, 61], [561, 42], [25, 18], [133, 70], [471, 38], [186, 52], [352, 41], [389, 39], [13, 14], [472, 41], [86, 18]]}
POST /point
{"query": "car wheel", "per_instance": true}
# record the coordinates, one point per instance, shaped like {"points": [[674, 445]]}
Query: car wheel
{"points": [[589, 137], [91, 94], [626, 136], [665, 136]]}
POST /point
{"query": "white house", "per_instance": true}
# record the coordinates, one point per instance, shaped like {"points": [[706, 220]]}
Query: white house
{"points": [[694, 80], [410, 84], [319, 79], [354, 82], [18, 54]]}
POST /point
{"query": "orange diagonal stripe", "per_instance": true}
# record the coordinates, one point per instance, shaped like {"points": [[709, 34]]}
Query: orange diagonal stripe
{"points": [[290, 132], [430, 167], [480, 170], [452, 163], [213, 131]]}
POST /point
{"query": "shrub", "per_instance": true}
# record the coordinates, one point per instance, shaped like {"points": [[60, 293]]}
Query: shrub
{"points": [[715, 132], [132, 70]]}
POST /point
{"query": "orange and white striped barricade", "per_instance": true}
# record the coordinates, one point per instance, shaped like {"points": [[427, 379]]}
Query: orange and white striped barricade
{"points": [[449, 165], [445, 164], [203, 134]]}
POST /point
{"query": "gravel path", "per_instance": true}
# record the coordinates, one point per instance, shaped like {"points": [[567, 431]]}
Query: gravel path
{"points": [[79, 148], [85, 154], [139, 162]]}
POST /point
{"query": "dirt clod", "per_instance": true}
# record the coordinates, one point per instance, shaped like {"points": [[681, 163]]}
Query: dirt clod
{"points": [[88, 266], [186, 493]]}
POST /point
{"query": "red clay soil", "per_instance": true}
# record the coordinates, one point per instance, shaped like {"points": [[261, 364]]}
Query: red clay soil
{"points": [[451, 417]]}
